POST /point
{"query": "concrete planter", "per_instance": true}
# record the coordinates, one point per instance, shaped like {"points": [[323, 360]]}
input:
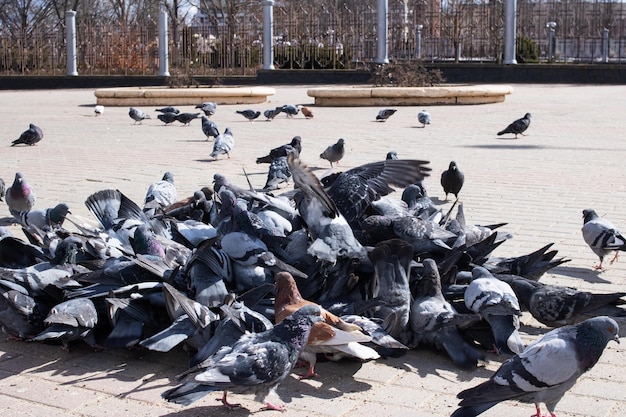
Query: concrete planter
{"points": [[159, 96], [409, 96]]}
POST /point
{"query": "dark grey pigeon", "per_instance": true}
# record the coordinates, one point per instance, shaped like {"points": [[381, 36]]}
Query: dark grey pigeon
{"points": [[168, 109], [545, 371], [497, 303], [295, 144], [452, 180], [518, 127], [29, 137], [392, 155], [249, 114], [555, 305], [20, 196], [186, 118], [209, 128], [208, 107], [385, 114], [21, 316], [137, 115], [290, 110], [256, 363], [3, 189], [423, 117], [601, 236], [334, 153], [271, 113], [435, 322], [354, 190], [167, 118]]}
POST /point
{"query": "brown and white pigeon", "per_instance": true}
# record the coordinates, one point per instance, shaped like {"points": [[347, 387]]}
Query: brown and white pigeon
{"points": [[545, 370]]}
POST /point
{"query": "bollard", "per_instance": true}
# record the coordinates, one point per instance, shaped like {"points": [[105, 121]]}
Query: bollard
{"points": [[70, 25], [268, 34]]}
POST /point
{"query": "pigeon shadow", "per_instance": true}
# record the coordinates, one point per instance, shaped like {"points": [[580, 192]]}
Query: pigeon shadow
{"points": [[585, 274], [503, 146]]}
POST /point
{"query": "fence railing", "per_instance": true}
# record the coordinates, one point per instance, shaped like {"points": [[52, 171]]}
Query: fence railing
{"points": [[316, 36]]}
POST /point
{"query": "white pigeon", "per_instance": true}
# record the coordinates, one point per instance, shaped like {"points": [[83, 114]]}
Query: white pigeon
{"points": [[160, 194], [424, 118], [601, 236], [98, 110], [223, 144]]}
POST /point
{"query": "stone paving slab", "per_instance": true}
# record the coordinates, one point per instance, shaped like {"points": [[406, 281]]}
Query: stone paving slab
{"points": [[571, 159]]}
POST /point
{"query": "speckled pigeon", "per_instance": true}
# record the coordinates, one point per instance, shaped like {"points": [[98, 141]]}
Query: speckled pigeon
{"points": [[257, 363]]}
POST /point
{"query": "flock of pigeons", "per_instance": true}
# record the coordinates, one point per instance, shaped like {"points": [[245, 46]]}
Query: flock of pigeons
{"points": [[251, 281]]}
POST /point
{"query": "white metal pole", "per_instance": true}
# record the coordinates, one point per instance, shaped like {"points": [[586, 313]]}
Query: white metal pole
{"points": [[164, 56], [268, 34], [70, 28], [510, 7]]}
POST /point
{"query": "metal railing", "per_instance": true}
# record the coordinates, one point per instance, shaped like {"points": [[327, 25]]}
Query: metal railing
{"points": [[315, 35]]}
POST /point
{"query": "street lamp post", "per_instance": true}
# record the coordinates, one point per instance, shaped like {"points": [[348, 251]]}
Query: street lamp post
{"points": [[550, 26]]}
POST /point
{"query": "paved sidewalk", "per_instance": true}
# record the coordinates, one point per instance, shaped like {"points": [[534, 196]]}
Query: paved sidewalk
{"points": [[573, 158]]}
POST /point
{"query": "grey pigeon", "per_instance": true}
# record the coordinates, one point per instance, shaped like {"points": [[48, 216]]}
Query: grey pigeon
{"points": [[385, 114], [209, 128], [29, 137], [518, 127], [391, 260], [277, 174], [545, 371], [44, 219], [167, 118], [271, 113], [223, 144], [295, 144], [160, 194], [556, 305], [334, 153], [71, 320], [290, 110], [257, 363], [423, 117], [186, 118], [497, 303], [601, 236], [3, 189], [332, 235], [20, 196], [168, 109], [137, 115], [208, 107], [435, 322], [452, 180], [249, 114]]}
